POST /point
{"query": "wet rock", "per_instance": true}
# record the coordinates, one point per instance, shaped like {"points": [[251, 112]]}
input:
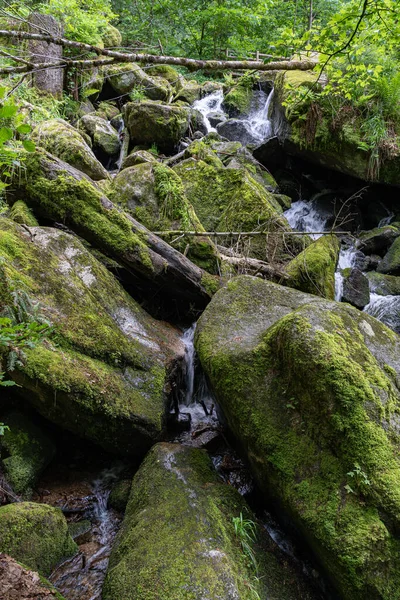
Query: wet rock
{"points": [[216, 118], [313, 270], [238, 100], [236, 129], [355, 288], [113, 365], [103, 135], [391, 261], [80, 531], [119, 495], [284, 201], [18, 583], [270, 153], [66, 142], [36, 535], [205, 436], [178, 532], [378, 240], [179, 422], [25, 452], [311, 382]]}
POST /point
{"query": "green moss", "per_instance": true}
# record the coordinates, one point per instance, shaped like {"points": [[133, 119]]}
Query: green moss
{"points": [[231, 200], [67, 143], [308, 397], [36, 535], [119, 496], [68, 199], [177, 540], [111, 37], [26, 452], [237, 101], [20, 213], [313, 270], [391, 260]]}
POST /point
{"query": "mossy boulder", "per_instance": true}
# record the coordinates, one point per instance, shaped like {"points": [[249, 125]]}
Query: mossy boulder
{"points": [[238, 100], [232, 200], [104, 137], [107, 111], [35, 535], [21, 214], [161, 124], [58, 192], [189, 92], [66, 142], [384, 285], [391, 260], [313, 270], [309, 132], [200, 150], [309, 389], [19, 583], [177, 540], [378, 240], [138, 157], [111, 37], [126, 77], [119, 495], [167, 72], [154, 195], [25, 451], [107, 374]]}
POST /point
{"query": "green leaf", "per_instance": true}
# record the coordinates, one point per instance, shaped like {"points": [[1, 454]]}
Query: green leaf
{"points": [[24, 128], [6, 133], [29, 146], [8, 111]]}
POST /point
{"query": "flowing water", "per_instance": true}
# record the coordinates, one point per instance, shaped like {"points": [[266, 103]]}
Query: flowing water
{"points": [[305, 216], [385, 309], [82, 576], [210, 104], [258, 123], [346, 260]]}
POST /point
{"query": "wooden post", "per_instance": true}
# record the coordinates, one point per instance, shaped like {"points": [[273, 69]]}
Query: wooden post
{"points": [[50, 79]]}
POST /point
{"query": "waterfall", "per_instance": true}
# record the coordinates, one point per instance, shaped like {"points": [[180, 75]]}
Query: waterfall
{"points": [[188, 340], [346, 261], [208, 104], [304, 216], [386, 309], [259, 122]]}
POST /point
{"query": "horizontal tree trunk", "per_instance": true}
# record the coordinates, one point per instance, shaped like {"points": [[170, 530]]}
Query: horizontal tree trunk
{"points": [[120, 57]]}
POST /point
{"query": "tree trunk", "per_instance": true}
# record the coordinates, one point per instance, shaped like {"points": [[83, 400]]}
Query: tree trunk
{"points": [[51, 79]]}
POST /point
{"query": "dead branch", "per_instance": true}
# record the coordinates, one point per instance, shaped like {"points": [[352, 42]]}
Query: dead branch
{"points": [[254, 266], [116, 56]]}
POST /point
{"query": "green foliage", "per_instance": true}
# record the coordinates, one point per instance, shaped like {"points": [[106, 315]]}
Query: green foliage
{"points": [[83, 20], [245, 530], [358, 478], [13, 141]]}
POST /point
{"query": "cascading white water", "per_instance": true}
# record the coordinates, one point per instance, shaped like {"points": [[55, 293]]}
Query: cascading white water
{"points": [[304, 216], [209, 104], [259, 122], [346, 261], [386, 309], [198, 402]]}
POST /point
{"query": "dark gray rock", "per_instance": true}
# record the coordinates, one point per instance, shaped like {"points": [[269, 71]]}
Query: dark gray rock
{"points": [[355, 288]]}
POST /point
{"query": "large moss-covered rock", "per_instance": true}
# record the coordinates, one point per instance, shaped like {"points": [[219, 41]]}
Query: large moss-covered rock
{"points": [[111, 37], [378, 240], [177, 540], [384, 285], [154, 195], [313, 270], [189, 92], [161, 124], [66, 142], [167, 72], [238, 100], [107, 374], [60, 193], [309, 132], [126, 77], [309, 388], [35, 535], [18, 583], [231, 200], [103, 135], [25, 451], [136, 158], [391, 260]]}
